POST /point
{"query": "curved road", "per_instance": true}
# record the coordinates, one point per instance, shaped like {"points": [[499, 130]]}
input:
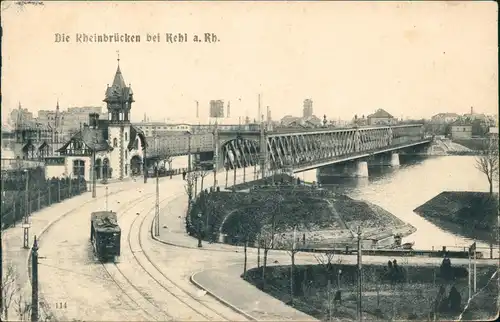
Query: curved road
{"points": [[150, 282]]}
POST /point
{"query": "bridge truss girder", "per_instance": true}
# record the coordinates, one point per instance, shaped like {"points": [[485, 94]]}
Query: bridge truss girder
{"points": [[294, 150]]}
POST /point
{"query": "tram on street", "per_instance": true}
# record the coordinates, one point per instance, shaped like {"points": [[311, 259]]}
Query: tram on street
{"points": [[105, 235]]}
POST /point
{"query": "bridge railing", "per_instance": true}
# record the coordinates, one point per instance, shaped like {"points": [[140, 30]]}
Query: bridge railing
{"points": [[19, 164], [397, 142]]}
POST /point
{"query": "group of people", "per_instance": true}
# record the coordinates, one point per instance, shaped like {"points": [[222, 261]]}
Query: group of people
{"points": [[394, 272]]}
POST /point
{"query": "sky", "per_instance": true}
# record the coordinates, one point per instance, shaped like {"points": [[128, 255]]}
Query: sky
{"points": [[413, 59]]}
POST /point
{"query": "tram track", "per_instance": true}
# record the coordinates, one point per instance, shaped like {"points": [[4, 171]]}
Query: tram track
{"points": [[142, 300], [182, 295], [124, 283]]}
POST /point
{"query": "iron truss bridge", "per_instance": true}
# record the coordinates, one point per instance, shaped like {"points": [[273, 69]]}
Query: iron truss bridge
{"points": [[302, 151]]}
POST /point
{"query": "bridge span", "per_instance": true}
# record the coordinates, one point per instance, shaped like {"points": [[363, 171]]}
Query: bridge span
{"points": [[305, 150]]}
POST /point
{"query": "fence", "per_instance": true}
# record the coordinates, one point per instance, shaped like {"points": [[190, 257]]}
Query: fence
{"points": [[17, 204]]}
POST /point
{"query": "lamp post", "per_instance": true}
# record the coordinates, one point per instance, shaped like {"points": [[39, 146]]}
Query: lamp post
{"points": [[189, 151], [360, 290], [339, 272], [157, 203], [199, 230], [26, 225], [94, 172]]}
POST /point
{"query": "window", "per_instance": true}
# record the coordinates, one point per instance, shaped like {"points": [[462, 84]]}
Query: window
{"points": [[115, 142], [79, 168], [126, 136], [126, 154]]}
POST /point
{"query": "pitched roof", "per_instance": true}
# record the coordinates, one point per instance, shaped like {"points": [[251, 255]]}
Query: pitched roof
{"points": [[136, 132], [118, 90], [380, 113], [92, 138], [446, 115]]}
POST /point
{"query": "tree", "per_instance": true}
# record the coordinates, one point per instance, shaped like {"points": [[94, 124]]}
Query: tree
{"points": [[246, 228], [166, 155], [190, 179], [325, 260], [487, 161], [9, 288], [202, 172], [23, 308]]}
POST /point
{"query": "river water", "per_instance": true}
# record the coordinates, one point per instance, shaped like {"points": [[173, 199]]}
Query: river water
{"points": [[402, 189]]}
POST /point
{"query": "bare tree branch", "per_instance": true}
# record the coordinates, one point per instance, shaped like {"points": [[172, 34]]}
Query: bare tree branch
{"points": [[10, 288], [487, 161]]}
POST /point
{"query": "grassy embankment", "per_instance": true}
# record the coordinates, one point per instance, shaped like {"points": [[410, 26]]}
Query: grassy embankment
{"points": [[411, 297], [475, 144], [470, 214], [322, 217]]}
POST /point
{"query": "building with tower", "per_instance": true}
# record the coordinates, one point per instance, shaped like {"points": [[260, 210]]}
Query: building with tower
{"points": [[114, 145], [307, 110]]}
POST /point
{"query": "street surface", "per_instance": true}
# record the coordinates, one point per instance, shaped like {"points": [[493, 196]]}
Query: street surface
{"points": [[151, 280], [142, 285]]}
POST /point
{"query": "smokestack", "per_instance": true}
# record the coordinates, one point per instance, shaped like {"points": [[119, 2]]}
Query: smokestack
{"points": [[197, 112], [259, 115], [93, 120], [471, 110]]}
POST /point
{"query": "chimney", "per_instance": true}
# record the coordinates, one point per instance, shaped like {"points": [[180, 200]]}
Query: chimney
{"points": [[94, 120], [471, 110]]}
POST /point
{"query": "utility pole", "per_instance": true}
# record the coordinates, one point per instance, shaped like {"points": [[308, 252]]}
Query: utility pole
{"points": [[26, 225], [34, 281], [293, 264], [1, 258], [216, 153], [263, 147], [106, 198], [360, 315], [189, 152], [94, 174], [475, 272], [157, 203]]}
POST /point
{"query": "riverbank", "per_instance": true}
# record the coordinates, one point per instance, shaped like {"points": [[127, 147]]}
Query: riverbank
{"points": [[322, 219], [409, 293], [470, 214]]}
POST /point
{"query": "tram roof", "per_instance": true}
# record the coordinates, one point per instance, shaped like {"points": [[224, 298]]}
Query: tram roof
{"points": [[105, 221]]}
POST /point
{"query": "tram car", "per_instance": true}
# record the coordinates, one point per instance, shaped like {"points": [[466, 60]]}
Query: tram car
{"points": [[105, 235]]}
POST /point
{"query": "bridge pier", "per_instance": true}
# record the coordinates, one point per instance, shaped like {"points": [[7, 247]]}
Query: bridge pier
{"points": [[361, 169], [353, 169], [394, 160], [385, 159]]}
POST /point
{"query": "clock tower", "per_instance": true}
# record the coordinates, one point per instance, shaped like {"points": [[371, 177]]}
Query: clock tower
{"points": [[119, 99]]}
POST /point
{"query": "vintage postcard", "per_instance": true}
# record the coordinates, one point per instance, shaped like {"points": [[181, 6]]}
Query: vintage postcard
{"points": [[234, 161]]}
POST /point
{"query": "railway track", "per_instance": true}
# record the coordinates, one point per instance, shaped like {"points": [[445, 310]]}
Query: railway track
{"points": [[132, 292], [140, 264], [197, 305]]}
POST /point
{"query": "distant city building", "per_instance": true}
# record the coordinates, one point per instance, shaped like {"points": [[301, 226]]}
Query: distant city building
{"points": [[443, 118], [360, 121], [66, 123], [461, 130], [21, 115], [381, 117], [307, 110], [302, 122], [217, 108]]}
